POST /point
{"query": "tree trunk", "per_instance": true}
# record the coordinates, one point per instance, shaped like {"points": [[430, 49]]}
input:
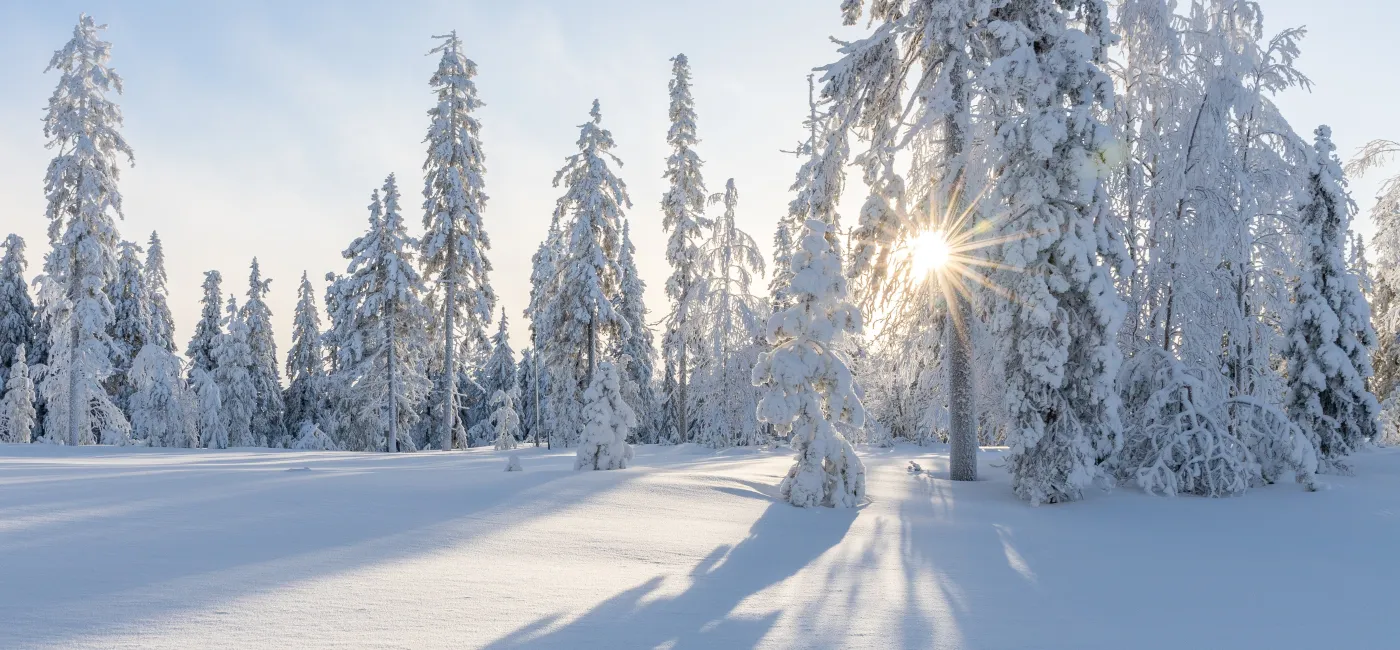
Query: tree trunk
{"points": [[392, 445], [449, 401], [75, 402], [962, 409]]}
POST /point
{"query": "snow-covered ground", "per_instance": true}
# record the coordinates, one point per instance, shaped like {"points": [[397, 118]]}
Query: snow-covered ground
{"points": [[155, 548]]}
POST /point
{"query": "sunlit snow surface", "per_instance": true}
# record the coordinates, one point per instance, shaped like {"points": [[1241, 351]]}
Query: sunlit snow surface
{"points": [[118, 548]]}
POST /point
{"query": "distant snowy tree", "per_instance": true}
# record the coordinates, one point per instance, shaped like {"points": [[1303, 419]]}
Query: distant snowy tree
{"points": [[81, 186], [1330, 335], [607, 421], [63, 380], [200, 351], [808, 386], [683, 206], [132, 320], [18, 326], [268, 415], [381, 331], [544, 313], [1385, 291], [638, 385], [498, 373], [504, 420], [593, 201], [164, 411], [306, 363], [311, 438], [233, 361], [163, 323], [530, 391], [579, 313], [730, 316], [213, 431], [455, 244], [17, 414]]}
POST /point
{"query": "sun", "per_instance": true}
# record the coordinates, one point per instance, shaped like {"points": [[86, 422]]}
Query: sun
{"points": [[930, 251]]}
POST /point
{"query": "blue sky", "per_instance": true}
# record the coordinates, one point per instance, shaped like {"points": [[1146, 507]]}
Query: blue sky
{"points": [[260, 128]]}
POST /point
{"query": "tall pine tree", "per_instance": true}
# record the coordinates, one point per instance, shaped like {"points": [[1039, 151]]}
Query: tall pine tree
{"points": [[383, 316], [18, 327], [683, 207], [81, 185], [200, 351], [163, 323], [132, 323], [306, 363], [454, 196], [268, 423], [1060, 323], [581, 313], [233, 363], [637, 376]]}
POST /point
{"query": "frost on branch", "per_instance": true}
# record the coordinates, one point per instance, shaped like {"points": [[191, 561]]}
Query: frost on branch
{"points": [[808, 384]]}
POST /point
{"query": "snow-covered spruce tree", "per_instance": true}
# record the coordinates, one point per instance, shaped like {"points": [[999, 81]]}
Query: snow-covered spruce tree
{"points": [[808, 386], [381, 325], [17, 414], [730, 317], [668, 434], [607, 421], [454, 245], [81, 186], [593, 201], [683, 207], [132, 324], [268, 416], [213, 432], [200, 351], [637, 381], [162, 323], [504, 420], [498, 373], [1330, 335], [164, 411], [306, 363], [233, 361], [580, 314], [529, 389], [18, 328], [543, 313], [1060, 323]]}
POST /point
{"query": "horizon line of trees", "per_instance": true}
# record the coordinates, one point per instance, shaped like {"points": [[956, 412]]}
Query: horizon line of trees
{"points": [[1155, 271]]}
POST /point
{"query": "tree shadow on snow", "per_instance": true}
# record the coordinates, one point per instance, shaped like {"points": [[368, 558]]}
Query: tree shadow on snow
{"points": [[155, 544], [780, 543]]}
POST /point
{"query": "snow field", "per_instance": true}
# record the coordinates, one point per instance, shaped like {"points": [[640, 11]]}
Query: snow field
{"points": [[158, 548]]}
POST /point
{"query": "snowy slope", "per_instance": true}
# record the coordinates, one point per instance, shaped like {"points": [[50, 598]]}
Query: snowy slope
{"points": [[152, 548]]}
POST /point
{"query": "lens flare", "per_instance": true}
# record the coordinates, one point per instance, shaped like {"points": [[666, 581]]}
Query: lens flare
{"points": [[930, 252]]}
